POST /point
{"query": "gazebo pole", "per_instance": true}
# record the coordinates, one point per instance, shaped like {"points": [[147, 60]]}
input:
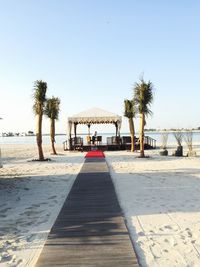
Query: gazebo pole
{"points": [[75, 125], [116, 129], [117, 139], [88, 129], [69, 130]]}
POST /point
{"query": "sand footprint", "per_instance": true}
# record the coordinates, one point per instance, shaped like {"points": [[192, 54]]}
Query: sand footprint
{"points": [[3, 213], [141, 234], [43, 221], [52, 197], [168, 227], [171, 241], [155, 250], [189, 233], [31, 237], [35, 205], [5, 256], [16, 263], [5, 210]]}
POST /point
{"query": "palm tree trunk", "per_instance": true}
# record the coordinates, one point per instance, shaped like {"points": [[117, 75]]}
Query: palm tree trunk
{"points": [[52, 134], [142, 120], [39, 136], [132, 131]]}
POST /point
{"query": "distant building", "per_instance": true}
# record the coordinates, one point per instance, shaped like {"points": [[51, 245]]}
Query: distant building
{"points": [[30, 133]]}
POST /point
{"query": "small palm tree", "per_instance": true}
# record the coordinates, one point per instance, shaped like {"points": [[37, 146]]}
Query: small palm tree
{"points": [[143, 97], [39, 97], [52, 112], [130, 112]]}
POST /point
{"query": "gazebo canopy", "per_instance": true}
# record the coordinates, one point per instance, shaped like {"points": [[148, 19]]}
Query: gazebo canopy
{"points": [[95, 116]]}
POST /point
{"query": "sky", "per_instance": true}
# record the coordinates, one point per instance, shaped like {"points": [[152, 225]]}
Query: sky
{"points": [[91, 53]]}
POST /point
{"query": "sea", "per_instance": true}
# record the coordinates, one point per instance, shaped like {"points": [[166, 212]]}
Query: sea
{"points": [[62, 138]]}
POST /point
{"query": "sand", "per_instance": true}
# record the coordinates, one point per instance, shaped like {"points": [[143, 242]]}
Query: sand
{"points": [[31, 196], [160, 198]]}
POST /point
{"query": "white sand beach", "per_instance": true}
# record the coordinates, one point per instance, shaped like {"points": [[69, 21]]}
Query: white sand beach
{"points": [[160, 197], [31, 196]]}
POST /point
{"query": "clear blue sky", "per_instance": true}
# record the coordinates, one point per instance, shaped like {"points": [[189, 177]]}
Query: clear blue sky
{"points": [[92, 52]]}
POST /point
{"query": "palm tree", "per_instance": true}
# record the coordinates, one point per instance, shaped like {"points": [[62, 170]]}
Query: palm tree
{"points": [[39, 97], [52, 112], [143, 96], [130, 112]]}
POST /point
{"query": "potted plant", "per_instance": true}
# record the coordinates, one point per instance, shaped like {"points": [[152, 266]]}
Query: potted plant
{"points": [[179, 137], [188, 139], [164, 139]]}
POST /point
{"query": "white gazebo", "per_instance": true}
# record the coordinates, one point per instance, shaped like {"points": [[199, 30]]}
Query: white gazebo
{"points": [[93, 116]]}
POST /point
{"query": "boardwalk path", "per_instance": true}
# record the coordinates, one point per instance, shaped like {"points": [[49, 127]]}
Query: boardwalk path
{"points": [[90, 229]]}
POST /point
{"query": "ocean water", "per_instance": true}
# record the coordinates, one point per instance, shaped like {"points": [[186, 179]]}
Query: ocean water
{"points": [[61, 138]]}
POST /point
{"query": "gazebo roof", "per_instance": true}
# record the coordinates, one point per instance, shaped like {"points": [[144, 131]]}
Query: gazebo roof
{"points": [[95, 115]]}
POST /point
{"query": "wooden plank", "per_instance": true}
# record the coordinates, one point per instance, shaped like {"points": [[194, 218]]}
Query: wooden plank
{"points": [[89, 230]]}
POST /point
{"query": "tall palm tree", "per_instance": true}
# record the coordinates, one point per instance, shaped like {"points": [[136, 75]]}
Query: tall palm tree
{"points": [[130, 112], [143, 96], [52, 112], [39, 97]]}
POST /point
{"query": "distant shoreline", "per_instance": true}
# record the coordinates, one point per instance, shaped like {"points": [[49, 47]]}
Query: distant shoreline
{"points": [[123, 133]]}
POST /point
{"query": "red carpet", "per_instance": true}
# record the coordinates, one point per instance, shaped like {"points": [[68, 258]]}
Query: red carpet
{"points": [[95, 154]]}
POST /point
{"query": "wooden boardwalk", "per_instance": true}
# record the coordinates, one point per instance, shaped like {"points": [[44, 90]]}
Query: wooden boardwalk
{"points": [[90, 229]]}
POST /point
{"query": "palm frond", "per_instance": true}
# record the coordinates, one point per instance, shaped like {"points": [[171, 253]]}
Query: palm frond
{"points": [[129, 108], [52, 108], [164, 139], [39, 96], [189, 139], [178, 136], [143, 96]]}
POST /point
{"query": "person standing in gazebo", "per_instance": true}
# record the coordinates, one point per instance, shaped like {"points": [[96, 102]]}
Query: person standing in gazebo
{"points": [[94, 137]]}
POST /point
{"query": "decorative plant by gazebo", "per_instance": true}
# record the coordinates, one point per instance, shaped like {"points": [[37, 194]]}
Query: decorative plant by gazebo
{"points": [[188, 136], [179, 138], [164, 139]]}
